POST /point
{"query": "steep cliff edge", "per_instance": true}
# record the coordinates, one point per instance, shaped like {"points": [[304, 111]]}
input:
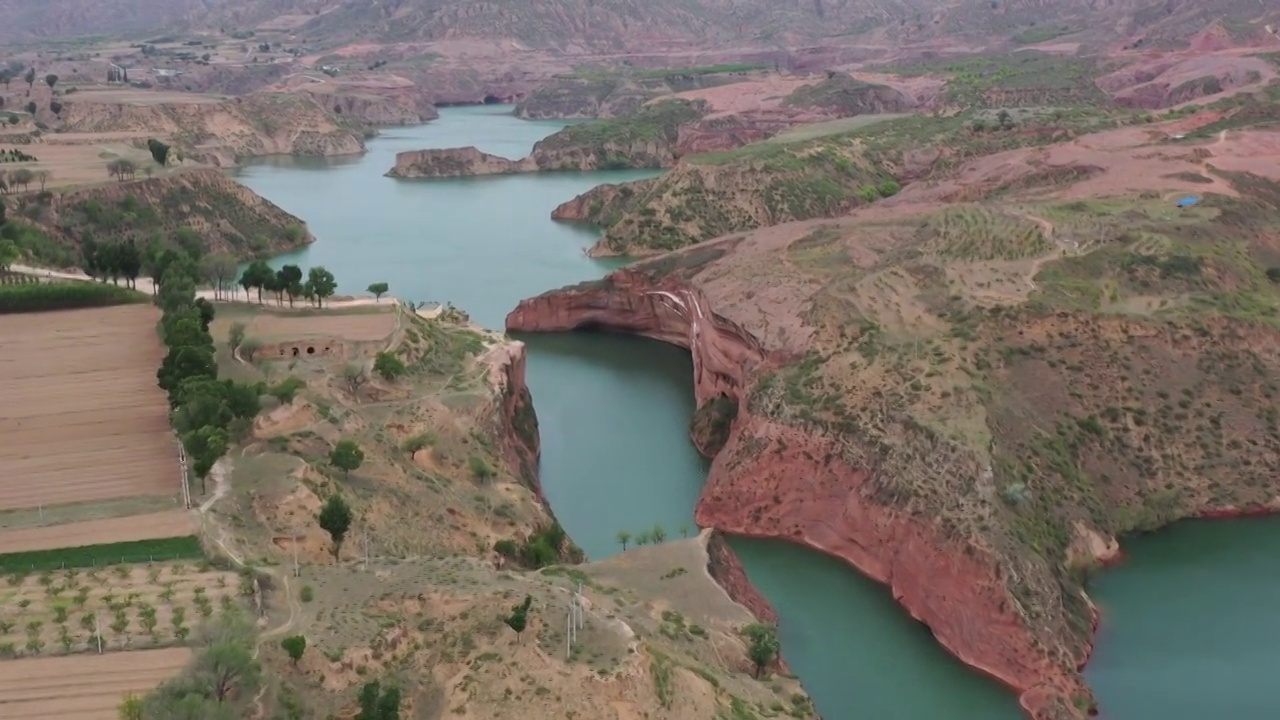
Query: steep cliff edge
{"points": [[976, 449]]}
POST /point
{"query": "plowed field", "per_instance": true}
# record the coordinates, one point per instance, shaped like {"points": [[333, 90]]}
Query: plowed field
{"points": [[80, 412], [82, 687], [172, 523]]}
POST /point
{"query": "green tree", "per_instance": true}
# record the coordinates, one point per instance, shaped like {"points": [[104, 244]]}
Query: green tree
{"points": [[377, 703], [346, 456], [204, 446], [378, 289], [322, 283], [519, 617], [658, 534], [335, 518], [294, 645], [130, 708], [219, 270], [388, 366], [185, 362], [159, 151], [289, 280], [50, 80], [8, 251], [30, 79], [129, 262], [623, 538], [190, 242], [762, 645], [257, 275]]}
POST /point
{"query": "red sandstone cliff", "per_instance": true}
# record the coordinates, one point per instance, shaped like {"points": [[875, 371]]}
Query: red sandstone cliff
{"points": [[775, 481]]}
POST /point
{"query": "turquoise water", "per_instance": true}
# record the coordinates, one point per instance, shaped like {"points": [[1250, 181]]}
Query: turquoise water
{"points": [[1191, 624], [613, 413]]}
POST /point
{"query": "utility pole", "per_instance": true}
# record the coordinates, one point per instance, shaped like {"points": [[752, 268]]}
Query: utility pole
{"points": [[97, 632], [296, 572], [568, 635]]}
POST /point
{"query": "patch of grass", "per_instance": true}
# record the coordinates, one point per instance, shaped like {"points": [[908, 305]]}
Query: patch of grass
{"points": [[657, 122], [138, 551]]}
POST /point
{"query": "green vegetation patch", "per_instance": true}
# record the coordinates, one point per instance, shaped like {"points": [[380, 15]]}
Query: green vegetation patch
{"points": [[36, 297], [700, 70], [137, 551], [659, 121], [981, 80]]}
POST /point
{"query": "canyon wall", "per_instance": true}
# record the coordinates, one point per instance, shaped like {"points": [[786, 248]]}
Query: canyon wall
{"points": [[776, 481]]}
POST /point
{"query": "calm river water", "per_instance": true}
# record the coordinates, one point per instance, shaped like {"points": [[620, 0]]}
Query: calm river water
{"points": [[1189, 639]]}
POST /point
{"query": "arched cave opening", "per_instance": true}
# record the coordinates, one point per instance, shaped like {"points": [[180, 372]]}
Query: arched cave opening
{"points": [[311, 351], [295, 352], [492, 100]]}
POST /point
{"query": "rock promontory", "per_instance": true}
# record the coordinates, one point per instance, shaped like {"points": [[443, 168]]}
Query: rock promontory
{"points": [[456, 162]]}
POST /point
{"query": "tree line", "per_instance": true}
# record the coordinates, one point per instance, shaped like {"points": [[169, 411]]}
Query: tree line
{"points": [[288, 282], [205, 410]]}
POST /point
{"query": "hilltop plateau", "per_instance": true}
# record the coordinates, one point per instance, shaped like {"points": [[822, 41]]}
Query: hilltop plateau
{"points": [[985, 378]]}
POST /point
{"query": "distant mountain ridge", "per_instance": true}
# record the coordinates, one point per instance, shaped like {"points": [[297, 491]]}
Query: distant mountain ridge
{"points": [[634, 25]]}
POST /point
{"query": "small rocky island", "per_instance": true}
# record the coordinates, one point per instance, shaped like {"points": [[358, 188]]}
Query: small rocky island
{"points": [[456, 162]]}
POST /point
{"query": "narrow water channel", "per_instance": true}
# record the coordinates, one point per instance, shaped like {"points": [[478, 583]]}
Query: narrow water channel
{"points": [[614, 411]]}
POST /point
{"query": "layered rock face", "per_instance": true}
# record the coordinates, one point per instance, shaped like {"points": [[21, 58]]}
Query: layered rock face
{"points": [[775, 481], [218, 133], [455, 162]]}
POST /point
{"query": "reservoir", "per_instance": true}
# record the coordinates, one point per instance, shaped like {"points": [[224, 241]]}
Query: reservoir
{"points": [[614, 412]]}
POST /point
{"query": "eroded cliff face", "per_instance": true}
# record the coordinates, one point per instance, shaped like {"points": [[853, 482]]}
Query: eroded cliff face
{"points": [[220, 132], [521, 448], [776, 481]]}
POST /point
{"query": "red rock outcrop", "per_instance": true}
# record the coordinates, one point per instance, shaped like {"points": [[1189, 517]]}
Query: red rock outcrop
{"points": [[775, 481]]}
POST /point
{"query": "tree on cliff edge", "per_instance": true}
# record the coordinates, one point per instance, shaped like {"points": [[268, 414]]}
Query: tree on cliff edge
{"points": [[762, 645], [624, 537], [378, 289]]}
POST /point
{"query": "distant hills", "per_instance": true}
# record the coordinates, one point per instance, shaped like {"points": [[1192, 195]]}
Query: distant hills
{"points": [[649, 25]]}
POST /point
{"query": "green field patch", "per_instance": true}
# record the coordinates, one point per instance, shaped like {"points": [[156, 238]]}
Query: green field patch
{"points": [[36, 297], [136, 551]]}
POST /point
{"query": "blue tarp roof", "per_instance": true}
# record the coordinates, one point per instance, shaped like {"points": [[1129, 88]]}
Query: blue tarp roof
{"points": [[1188, 201]]}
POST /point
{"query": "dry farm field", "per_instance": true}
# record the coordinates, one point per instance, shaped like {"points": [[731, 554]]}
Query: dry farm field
{"points": [[80, 413], [353, 325], [171, 523], [83, 687]]}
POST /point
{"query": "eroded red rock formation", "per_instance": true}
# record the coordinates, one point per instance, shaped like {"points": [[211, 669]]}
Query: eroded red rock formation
{"points": [[775, 481]]}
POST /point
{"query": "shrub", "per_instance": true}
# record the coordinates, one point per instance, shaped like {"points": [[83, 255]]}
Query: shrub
{"points": [[286, 389], [307, 594]]}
